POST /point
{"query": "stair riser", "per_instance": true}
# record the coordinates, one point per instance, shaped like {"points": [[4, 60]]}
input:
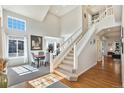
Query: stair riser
{"points": [[68, 63], [65, 69], [70, 78], [63, 75], [70, 55], [71, 52], [68, 58]]}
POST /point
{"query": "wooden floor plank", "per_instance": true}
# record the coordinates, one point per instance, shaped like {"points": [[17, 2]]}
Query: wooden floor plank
{"points": [[103, 75], [107, 75]]}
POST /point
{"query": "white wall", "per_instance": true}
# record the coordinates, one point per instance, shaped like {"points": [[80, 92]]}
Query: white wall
{"points": [[71, 22], [54, 40], [122, 55], [117, 10], [107, 22], [49, 27], [86, 18], [0, 40], [99, 49], [87, 57], [106, 47], [0, 33]]}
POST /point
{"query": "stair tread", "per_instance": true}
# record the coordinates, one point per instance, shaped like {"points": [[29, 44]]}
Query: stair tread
{"points": [[64, 72], [67, 66]]}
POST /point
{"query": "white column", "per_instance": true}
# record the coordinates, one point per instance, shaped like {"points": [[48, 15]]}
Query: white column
{"points": [[122, 55], [51, 63]]}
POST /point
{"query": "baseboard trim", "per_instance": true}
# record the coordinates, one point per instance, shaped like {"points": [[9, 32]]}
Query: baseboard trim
{"points": [[86, 69]]}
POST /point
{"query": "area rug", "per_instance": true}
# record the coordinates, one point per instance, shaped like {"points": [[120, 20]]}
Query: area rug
{"points": [[24, 69], [58, 85], [45, 81]]}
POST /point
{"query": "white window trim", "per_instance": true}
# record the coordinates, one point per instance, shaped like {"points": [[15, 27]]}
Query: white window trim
{"points": [[16, 19], [25, 47]]}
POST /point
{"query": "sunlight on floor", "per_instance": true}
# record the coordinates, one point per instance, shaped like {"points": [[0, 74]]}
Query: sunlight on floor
{"points": [[45, 81]]}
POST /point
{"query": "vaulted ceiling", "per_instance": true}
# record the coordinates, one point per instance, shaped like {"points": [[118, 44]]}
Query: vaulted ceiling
{"points": [[60, 10], [38, 12]]}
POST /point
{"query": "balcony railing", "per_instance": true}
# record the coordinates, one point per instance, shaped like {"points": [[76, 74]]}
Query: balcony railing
{"points": [[107, 12]]}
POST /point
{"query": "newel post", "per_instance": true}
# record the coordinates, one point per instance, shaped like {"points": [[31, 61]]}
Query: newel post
{"points": [[75, 66], [51, 63]]}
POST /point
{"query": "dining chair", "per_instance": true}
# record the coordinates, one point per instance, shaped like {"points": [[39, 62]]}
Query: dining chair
{"points": [[47, 58], [33, 59], [42, 59]]}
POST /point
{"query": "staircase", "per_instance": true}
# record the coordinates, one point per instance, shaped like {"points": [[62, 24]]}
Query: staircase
{"points": [[66, 67], [66, 63]]}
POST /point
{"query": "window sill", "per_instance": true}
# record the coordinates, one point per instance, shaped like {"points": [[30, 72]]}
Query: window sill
{"points": [[16, 57]]}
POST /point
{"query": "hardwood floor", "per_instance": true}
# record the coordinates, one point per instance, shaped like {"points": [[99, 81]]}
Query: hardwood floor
{"points": [[105, 74]]}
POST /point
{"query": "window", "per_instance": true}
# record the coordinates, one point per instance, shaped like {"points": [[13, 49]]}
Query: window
{"points": [[16, 46], [16, 24]]}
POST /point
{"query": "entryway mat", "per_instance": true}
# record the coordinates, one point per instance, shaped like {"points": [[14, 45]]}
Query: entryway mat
{"points": [[45, 81]]}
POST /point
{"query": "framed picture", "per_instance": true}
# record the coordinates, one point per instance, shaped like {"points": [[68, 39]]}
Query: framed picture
{"points": [[51, 47], [36, 42], [122, 32], [122, 48]]}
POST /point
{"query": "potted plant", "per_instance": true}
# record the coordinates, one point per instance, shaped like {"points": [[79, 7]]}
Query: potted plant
{"points": [[3, 80]]}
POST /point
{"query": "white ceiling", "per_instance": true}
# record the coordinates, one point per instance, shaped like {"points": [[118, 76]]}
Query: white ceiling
{"points": [[38, 12], [60, 10]]}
